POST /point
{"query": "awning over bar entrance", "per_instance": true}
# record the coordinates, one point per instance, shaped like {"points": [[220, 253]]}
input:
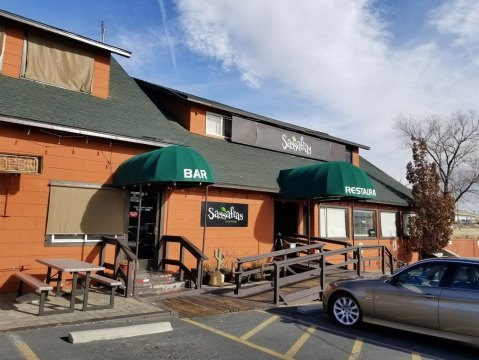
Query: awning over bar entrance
{"points": [[331, 180], [179, 165]]}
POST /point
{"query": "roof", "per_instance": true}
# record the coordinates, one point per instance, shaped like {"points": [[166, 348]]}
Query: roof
{"points": [[388, 190], [40, 26], [126, 115], [129, 115], [159, 89]]}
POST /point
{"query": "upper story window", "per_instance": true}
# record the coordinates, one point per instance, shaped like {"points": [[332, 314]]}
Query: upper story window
{"points": [[218, 125], [53, 61]]}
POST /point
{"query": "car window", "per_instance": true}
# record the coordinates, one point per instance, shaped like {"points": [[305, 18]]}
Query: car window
{"points": [[423, 275], [466, 277]]}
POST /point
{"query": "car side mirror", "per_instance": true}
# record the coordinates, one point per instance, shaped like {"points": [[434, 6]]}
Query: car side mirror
{"points": [[392, 280]]}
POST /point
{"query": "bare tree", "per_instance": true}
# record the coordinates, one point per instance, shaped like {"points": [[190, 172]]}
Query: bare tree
{"points": [[431, 228], [452, 143]]}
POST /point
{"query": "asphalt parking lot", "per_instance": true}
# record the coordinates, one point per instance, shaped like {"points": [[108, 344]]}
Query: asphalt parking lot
{"points": [[282, 333]]}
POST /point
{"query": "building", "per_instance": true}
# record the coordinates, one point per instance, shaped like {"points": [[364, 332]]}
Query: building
{"points": [[71, 118]]}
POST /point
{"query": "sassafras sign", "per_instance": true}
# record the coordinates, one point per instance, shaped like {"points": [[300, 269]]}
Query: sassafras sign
{"points": [[219, 214]]}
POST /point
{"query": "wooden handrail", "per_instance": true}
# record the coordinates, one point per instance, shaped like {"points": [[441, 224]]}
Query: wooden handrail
{"points": [[122, 252], [185, 244]]}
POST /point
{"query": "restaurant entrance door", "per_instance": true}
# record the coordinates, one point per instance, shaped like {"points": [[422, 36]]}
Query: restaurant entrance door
{"points": [[143, 226]]}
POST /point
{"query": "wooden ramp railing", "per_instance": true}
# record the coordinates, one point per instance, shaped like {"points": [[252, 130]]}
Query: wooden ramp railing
{"points": [[309, 263]]}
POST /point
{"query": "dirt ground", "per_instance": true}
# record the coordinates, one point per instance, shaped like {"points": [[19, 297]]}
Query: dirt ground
{"points": [[466, 231]]}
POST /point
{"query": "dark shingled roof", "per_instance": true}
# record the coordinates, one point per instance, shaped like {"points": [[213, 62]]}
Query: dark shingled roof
{"points": [[130, 113]]}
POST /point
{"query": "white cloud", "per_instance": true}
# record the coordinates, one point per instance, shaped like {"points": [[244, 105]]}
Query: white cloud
{"points": [[459, 18], [338, 55]]}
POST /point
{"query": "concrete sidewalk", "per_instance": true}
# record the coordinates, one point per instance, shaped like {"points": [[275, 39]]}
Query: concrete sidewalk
{"points": [[17, 316]]}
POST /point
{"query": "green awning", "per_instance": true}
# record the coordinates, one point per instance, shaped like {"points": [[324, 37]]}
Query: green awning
{"points": [[335, 179], [179, 165]]}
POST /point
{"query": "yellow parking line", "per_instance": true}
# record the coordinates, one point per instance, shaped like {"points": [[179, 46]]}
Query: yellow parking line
{"points": [[415, 356], [301, 341], [259, 327], [356, 350], [27, 353], [237, 339]]}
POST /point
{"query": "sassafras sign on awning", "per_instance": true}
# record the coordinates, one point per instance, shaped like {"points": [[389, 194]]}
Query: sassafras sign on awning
{"points": [[178, 165], [334, 179]]}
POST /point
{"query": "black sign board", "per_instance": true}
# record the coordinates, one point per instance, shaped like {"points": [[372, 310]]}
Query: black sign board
{"points": [[269, 137], [219, 214]]}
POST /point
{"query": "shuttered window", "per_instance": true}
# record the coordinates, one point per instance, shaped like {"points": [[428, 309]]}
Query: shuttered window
{"points": [[388, 224], [332, 222], [78, 212], [53, 61]]}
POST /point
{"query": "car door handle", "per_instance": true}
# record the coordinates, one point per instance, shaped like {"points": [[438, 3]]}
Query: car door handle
{"points": [[430, 296]]}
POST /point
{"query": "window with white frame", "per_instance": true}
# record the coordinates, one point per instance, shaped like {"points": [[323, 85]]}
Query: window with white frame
{"points": [[364, 222], [333, 222], [218, 125], [82, 213], [388, 224]]}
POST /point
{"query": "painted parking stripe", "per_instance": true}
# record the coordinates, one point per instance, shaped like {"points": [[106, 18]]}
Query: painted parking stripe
{"points": [[356, 350], [416, 356], [258, 328], [237, 339], [24, 349], [301, 341]]}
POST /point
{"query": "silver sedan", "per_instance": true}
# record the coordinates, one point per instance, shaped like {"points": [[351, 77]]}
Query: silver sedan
{"points": [[434, 296]]}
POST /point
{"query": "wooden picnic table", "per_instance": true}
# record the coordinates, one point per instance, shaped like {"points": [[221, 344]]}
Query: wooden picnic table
{"points": [[74, 267]]}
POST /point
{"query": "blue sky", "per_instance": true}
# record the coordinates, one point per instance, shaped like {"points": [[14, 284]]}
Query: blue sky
{"points": [[345, 67]]}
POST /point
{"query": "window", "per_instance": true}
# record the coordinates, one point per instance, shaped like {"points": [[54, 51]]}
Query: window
{"points": [[365, 223], [332, 222], [423, 275], [388, 224], [53, 61], [405, 222], [466, 277], [218, 125], [80, 213]]}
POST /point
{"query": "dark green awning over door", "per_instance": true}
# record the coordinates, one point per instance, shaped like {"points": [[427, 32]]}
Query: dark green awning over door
{"points": [[180, 165], [335, 179]]}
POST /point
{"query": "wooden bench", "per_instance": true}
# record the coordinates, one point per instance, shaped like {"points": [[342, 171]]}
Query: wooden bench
{"points": [[109, 282], [36, 284]]}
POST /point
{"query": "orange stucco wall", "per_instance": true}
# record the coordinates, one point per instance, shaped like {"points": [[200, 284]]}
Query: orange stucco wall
{"points": [[24, 198], [12, 59], [197, 120], [464, 247], [182, 216], [101, 75]]}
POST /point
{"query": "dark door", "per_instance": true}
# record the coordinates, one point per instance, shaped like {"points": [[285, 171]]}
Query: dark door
{"points": [[285, 218], [143, 227]]}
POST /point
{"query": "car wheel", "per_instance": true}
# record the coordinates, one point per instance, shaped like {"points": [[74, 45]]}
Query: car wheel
{"points": [[345, 310]]}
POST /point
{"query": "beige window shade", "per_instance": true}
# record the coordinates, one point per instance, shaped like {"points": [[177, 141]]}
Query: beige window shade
{"points": [[86, 210], [55, 62]]}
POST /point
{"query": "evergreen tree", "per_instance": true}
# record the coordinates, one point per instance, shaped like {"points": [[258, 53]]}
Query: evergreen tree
{"points": [[431, 228]]}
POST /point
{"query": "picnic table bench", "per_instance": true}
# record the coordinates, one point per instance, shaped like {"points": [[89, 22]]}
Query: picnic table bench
{"points": [[109, 282], [37, 285]]}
